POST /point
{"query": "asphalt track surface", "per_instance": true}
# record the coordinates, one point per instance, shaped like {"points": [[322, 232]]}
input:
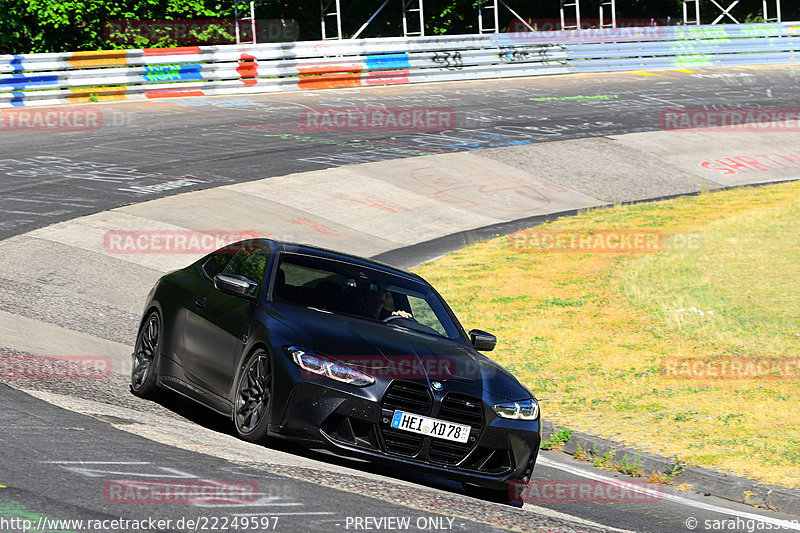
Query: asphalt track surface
{"points": [[67, 478], [63, 465], [140, 151], [145, 150]]}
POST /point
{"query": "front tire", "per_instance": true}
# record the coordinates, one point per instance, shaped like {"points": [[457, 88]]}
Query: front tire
{"points": [[253, 394], [146, 352]]}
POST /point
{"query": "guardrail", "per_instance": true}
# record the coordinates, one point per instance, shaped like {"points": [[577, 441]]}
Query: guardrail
{"points": [[44, 79], [692, 46]]}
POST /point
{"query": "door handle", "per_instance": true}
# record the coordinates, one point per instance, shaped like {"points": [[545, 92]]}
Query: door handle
{"points": [[201, 303]]}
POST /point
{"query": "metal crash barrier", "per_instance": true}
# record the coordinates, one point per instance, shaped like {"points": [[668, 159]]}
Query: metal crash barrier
{"points": [[45, 79]]}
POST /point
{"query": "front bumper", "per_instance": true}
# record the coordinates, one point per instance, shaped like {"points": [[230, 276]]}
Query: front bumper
{"points": [[355, 422]]}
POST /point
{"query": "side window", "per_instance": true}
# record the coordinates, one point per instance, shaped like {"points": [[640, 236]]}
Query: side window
{"points": [[423, 314], [218, 261], [249, 262]]}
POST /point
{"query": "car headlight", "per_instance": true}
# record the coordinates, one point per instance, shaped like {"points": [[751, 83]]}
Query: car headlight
{"points": [[323, 366], [522, 410]]}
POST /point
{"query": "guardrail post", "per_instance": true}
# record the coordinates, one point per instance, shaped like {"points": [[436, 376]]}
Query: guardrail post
{"points": [[484, 28], [420, 13], [611, 4], [325, 14], [686, 19], [577, 5], [777, 17], [251, 19]]}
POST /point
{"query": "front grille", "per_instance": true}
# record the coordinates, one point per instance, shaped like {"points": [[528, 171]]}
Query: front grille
{"points": [[409, 397], [401, 442], [462, 409]]}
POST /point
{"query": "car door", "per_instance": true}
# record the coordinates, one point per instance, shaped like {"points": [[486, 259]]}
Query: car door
{"points": [[217, 327]]}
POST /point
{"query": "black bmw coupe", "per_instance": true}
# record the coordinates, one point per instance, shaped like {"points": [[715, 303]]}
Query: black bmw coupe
{"points": [[337, 351]]}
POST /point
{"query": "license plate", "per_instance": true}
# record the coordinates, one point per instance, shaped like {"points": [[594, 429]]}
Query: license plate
{"points": [[430, 426]]}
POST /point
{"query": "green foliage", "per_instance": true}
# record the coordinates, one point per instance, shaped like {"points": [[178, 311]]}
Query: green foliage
{"points": [[606, 460], [631, 468], [675, 468], [557, 439], [72, 25], [580, 454]]}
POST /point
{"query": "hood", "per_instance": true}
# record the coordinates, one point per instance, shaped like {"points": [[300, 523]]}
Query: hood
{"points": [[388, 351]]}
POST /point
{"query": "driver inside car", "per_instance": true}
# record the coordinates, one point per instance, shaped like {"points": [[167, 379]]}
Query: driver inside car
{"points": [[371, 304]]}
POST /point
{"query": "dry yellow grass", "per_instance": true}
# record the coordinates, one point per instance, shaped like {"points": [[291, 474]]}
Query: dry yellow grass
{"points": [[589, 333]]}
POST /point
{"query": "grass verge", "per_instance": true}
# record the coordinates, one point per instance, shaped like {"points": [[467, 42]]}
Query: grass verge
{"points": [[593, 334]]}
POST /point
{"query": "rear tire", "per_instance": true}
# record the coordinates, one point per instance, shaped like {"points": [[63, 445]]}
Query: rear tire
{"points": [[146, 355], [253, 395]]}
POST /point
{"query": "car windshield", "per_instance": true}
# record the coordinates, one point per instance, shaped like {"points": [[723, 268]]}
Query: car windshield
{"points": [[356, 290]]}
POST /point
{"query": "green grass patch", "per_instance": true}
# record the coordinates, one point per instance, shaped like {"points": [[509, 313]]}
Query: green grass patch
{"points": [[590, 332], [557, 440]]}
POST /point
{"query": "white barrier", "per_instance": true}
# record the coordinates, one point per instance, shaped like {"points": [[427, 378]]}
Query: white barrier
{"points": [[44, 79]]}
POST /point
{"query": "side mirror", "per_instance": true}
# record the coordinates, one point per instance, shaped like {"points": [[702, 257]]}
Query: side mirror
{"points": [[482, 340], [235, 285]]}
